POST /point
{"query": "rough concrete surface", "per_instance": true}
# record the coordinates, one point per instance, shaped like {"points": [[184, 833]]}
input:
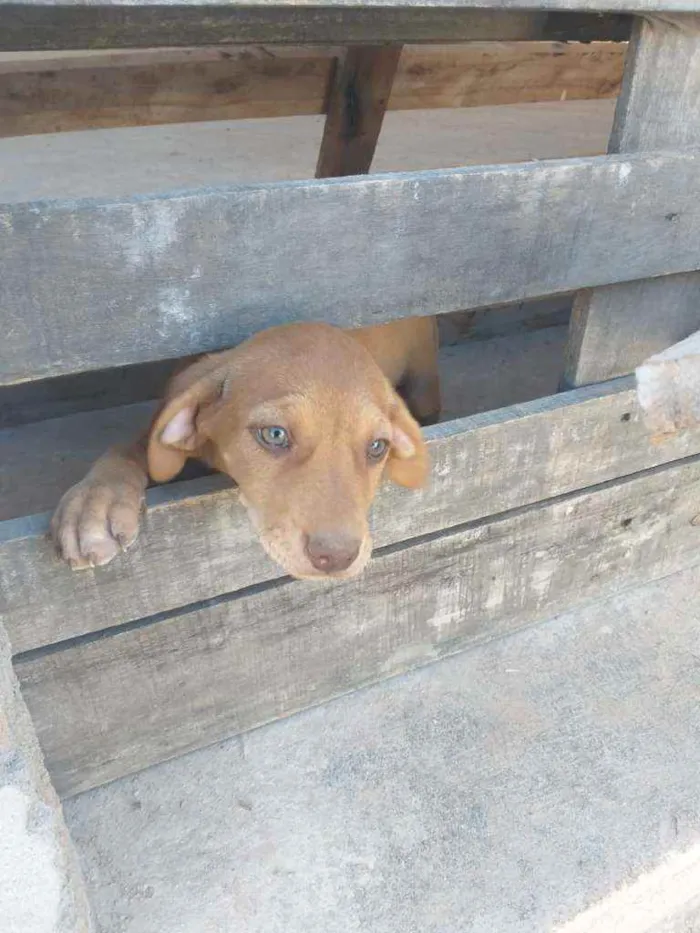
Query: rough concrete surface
{"points": [[41, 890], [111, 163], [507, 790]]}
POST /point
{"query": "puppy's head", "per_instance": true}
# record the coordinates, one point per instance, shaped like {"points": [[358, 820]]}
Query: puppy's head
{"points": [[304, 421]]}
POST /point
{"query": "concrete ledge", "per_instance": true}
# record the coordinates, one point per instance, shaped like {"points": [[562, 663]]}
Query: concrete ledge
{"points": [[41, 889]]}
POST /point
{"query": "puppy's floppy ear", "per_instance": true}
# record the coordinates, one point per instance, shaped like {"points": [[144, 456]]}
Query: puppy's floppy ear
{"points": [[179, 430], [408, 463]]}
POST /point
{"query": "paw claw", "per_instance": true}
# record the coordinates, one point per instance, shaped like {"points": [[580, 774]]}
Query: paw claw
{"points": [[83, 528]]}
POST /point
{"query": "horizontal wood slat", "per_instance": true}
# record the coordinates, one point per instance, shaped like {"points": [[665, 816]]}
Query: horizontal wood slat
{"points": [[93, 284], [39, 94], [197, 543], [25, 26], [484, 74], [113, 705]]}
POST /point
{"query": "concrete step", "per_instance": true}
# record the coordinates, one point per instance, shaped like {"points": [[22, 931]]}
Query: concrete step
{"points": [[545, 782]]}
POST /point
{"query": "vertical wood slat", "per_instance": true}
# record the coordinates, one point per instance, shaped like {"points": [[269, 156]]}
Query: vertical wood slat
{"points": [[357, 101], [615, 328]]}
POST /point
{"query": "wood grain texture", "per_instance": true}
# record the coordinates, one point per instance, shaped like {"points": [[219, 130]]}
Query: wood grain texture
{"points": [[258, 7], [613, 330], [197, 543], [26, 26], [161, 86], [357, 101], [72, 91], [480, 74], [92, 284], [668, 387], [114, 705]]}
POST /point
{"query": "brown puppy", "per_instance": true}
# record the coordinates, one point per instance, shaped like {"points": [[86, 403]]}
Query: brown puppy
{"points": [[304, 417]]}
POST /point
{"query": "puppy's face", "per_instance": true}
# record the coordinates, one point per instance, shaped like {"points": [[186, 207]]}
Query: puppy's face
{"points": [[306, 424]]}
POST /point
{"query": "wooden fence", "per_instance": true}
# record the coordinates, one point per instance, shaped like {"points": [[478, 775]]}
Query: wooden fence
{"points": [[194, 635]]}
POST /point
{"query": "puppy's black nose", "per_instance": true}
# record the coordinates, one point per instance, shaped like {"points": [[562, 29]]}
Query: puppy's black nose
{"points": [[332, 552]]}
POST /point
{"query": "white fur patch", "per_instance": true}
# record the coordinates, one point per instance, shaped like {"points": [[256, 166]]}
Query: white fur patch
{"points": [[402, 444], [179, 428]]}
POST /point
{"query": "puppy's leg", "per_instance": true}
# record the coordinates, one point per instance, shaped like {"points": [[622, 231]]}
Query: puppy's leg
{"points": [[99, 516], [420, 385]]}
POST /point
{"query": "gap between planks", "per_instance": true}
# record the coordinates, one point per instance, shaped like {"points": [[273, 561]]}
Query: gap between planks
{"points": [[196, 542]]}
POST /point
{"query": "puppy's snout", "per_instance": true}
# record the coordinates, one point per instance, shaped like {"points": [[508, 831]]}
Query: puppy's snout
{"points": [[332, 552]]}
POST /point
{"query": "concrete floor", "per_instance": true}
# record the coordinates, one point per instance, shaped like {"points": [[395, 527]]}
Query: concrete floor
{"points": [[501, 791], [110, 163]]}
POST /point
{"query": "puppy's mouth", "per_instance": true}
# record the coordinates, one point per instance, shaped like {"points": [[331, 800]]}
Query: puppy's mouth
{"points": [[285, 547], [289, 555]]}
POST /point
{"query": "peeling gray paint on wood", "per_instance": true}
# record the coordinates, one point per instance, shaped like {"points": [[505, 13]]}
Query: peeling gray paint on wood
{"points": [[90, 284]]}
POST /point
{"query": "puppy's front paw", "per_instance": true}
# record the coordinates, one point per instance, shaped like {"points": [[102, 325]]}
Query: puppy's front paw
{"points": [[96, 520]]}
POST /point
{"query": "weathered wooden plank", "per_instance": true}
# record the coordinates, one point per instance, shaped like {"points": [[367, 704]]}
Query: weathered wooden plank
{"points": [[46, 27], [109, 706], [131, 88], [71, 91], [197, 544], [258, 7], [481, 74], [613, 330], [357, 101], [91, 284], [668, 387]]}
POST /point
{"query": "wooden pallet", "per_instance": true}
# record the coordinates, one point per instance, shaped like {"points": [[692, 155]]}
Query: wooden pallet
{"points": [[194, 635]]}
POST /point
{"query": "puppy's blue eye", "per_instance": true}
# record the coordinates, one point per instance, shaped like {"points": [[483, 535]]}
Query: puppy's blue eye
{"points": [[377, 449], [274, 437]]}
